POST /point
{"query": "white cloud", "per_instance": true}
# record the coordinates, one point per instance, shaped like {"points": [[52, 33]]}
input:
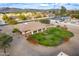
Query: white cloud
{"points": [[26, 1], [45, 4], [39, 1]]}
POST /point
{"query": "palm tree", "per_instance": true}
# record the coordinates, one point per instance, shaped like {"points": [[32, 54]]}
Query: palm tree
{"points": [[5, 42]]}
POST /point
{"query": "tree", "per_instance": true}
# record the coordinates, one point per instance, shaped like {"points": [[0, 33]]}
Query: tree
{"points": [[63, 11], [5, 17], [22, 17], [75, 16], [38, 16], [9, 20], [5, 41]]}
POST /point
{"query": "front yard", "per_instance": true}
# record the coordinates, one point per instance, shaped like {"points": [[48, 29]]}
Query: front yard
{"points": [[52, 36]]}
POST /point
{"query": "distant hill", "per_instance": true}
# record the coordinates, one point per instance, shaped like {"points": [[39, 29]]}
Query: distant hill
{"points": [[7, 9]]}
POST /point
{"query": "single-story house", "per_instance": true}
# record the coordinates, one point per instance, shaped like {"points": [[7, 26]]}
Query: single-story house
{"points": [[31, 27], [59, 19]]}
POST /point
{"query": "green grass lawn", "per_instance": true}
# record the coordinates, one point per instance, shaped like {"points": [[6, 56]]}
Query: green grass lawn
{"points": [[52, 36]]}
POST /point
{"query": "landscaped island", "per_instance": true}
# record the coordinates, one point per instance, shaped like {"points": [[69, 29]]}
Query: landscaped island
{"points": [[51, 37]]}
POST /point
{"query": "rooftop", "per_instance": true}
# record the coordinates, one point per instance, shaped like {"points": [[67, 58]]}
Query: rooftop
{"points": [[30, 26]]}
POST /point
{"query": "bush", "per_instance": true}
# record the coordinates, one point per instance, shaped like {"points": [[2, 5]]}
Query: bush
{"points": [[46, 21], [12, 22], [15, 30]]}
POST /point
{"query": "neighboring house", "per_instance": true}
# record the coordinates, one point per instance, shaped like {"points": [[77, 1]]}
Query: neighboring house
{"points": [[58, 19], [75, 21], [66, 18], [55, 20]]}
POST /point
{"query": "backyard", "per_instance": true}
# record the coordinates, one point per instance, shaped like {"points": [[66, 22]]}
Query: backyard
{"points": [[51, 37]]}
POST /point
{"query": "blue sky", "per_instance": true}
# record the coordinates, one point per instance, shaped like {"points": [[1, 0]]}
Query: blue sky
{"points": [[40, 5]]}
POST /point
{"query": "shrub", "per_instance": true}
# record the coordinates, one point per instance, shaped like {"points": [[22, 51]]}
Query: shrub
{"points": [[15, 30], [46, 21]]}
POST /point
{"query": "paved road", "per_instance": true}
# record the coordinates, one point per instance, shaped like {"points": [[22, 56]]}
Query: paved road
{"points": [[21, 47]]}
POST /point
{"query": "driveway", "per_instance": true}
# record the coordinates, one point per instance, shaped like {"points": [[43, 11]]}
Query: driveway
{"points": [[21, 47]]}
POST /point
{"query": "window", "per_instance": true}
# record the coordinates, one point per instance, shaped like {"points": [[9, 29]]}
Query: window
{"points": [[39, 30], [34, 31], [43, 28]]}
